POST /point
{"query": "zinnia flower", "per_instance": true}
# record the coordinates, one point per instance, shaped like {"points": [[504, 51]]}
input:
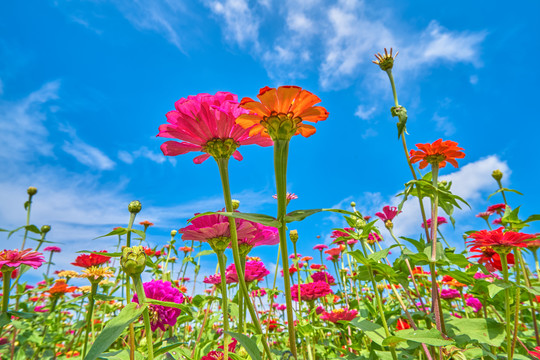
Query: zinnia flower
{"points": [[341, 236], [323, 276], [206, 123], [52, 249], [373, 237], [497, 208], [449, 293], [255, 270], [440, 220], [498, 240], [212, 279], [311, 291], [320, 247], [335, 253], [388, 214], [474, 303], [437, 153], [263, 235], [535, 353], [339, 315], [214, 229], [88, 260], [15, 258], [161, 316], [402, 325], [281, 112], [60, 287], [484, 215], [490, 258]]}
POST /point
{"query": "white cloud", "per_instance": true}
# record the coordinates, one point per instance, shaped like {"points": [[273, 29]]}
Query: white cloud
{"points": [[443, 124], [146, 153], [85, 154], [23, 128], [365, 113], [369, 132]]}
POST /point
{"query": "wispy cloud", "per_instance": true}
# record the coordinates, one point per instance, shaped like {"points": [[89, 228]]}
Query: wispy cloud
{"points": [[145, 153], [84, 153]]}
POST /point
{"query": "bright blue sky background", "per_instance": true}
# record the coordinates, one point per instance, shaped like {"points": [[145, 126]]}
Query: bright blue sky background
{"points": [[84, 86]]}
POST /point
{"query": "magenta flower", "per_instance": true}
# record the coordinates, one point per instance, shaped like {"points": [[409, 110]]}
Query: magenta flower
{"points": [[255, 270], [341, 236], [449, 293], [474, 303], [207, 123], [282, 307], [162, 316], [212, 279], [16, 258], [497, 221], [484, 215], [339, 315], [214, 229], [53, 249], [41, 309], [440, 220], [263, 235], [388, 214], [323, 276], [373, 237], [311, 291], [320, 247]]}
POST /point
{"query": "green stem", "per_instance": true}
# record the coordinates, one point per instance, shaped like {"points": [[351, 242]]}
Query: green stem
{"points": [[5, 292], [224, 301], [504, 265], [49, 263], [146, 317], [502, 192], [224, 173], [89, 316], [241, 299], [281, 151], [536, 263], [27, 221], [531, 298], [128, 290], [394, 92]]}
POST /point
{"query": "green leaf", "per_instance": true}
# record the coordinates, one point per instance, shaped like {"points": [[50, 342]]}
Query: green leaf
{"points": [[118, 231], [379, 255], [504, 189], [484, 331], [204, 252], [248, 343], [114, 329], [168, 304], [141, 233], [299, 215], [458, 259], [358, 256], [439, 252], [4, 319], [33, 228], [258, 218], [497, 286], [14, 231], [373, 331], [430, 337]]}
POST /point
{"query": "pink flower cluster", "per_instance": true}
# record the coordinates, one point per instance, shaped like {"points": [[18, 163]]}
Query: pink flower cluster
{"points": [[339, 315], [255, 270], [161, 316], [311, 291]]}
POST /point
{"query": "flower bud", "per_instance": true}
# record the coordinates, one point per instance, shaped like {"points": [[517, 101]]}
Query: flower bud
{"points": [[45, 229], [31, 191], [133, 260], [293, 234], [235, 204], [388, 224], [497, 174], [353, 204], [173, 233], [134, 207]]}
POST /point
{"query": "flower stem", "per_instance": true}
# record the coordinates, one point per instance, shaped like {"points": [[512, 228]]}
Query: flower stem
{"points": [[5, 291], [224, 302], [27, 221], [224, 173], [128, 290], [504, 265], [146, 317], [49, 263], [281, 151], [391, 77], [531, 298], [89, 316]]}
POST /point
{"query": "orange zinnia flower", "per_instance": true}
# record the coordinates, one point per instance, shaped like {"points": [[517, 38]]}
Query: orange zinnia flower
{"points": [[281, 112], [437, 153]]}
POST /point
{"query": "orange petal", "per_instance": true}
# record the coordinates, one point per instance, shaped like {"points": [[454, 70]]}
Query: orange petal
{"points": [[286, 96], [303, 101], [257, 129], [254, 106], [268, 98], [307, 130], [314, 114]]}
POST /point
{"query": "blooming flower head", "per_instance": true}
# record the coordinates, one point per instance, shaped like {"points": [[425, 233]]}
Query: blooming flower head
{"points": [[373, 237], [290, 196], [212, 279], [52, 249], [95, 273], [162, 316], [497, 208], [536, 352], [440, 220], [437, 153], [323, 276], [214, 229], [206, 123], [341, 236], [449, 293], [15, 258], [388, 214], [402, 325], [490, 258], [474, 303], [311, 291], [498, 240], [281, 112], [263, 235], [146, 223], [339, 315], [320, 247], [335, 253], [255, 270], [484, 215], [88, 260], [60, 287], [40, 309]]}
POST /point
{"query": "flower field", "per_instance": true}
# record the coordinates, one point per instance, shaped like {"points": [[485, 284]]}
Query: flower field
{"points": [[358, 297]]}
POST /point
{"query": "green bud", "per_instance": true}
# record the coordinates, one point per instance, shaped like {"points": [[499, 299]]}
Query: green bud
{"points": [[45, 229], [235, 204], [133, 260], [497, 174], [134, 207], [353, 204], [293, 234], [173, 233], [31, 191]]}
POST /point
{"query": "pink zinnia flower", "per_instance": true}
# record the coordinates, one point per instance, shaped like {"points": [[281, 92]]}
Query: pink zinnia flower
{"points": [[52, 249], [484, 215], [497, 221], [255, 270], [215, 227], [341, 236], [282, 307], [89, 260], [263, 235], [207, 123], [323, 276], [373, 237], [162, 316], [212, 279], [474, 303], [320, 247], [440, 220], [388, 214], [15, 258], [339, 315], [449, 293], [290, 196], [41, 309], [311, 291]]}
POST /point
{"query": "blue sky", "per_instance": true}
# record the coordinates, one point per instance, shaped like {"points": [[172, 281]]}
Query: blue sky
{"points": [[84, 86]]}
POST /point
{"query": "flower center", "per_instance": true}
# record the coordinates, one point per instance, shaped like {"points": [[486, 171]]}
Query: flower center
{"points": [[435, 158], [219, 243], [220, 148]]}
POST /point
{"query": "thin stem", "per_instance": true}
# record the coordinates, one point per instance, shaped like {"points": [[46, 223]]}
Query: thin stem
{"points": [[49, 263], [531, 299], [224, 302], [224, 173], [128, 290], [89, 316], [502, 192], [27, 221], [281, 151], [5, 291], [391, 77], [146, 317], [504, 265]]}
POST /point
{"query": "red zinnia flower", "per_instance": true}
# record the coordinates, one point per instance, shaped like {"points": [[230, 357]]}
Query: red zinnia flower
{"points": [[402, 325], [491, 259], [497, 208], [498, 239], [339, 315], [437, 153], [281, 112], [88, 260]]}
